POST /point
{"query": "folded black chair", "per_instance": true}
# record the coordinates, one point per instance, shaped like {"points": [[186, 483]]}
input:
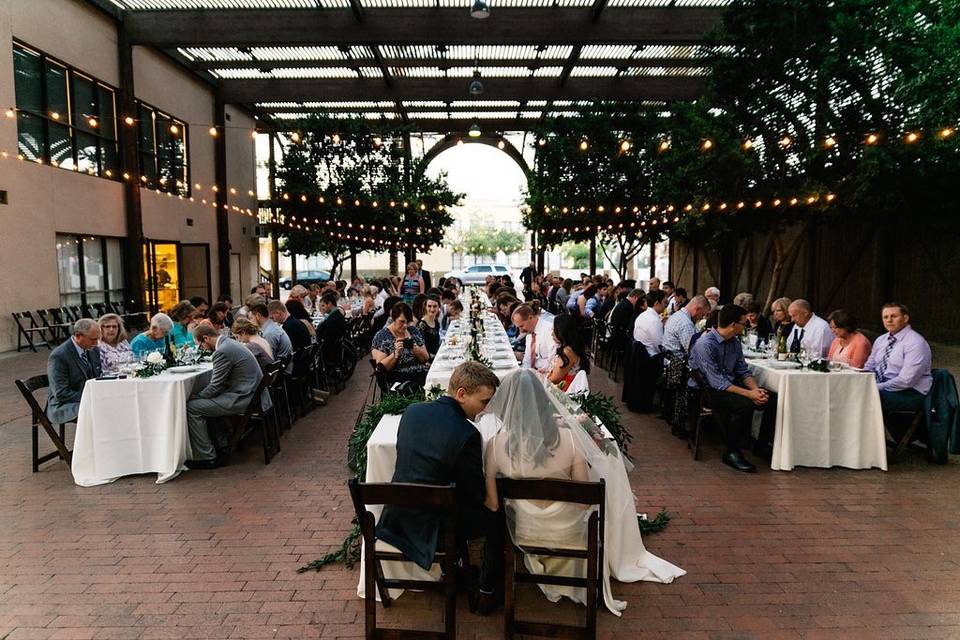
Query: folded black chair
{"points": [[30, 330]]}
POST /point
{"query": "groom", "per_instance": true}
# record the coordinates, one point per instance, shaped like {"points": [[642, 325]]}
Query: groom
{"points": [[437, 444]]}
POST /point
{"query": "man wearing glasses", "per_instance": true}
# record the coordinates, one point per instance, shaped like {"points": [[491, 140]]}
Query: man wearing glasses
{"points": [[734, 394]]}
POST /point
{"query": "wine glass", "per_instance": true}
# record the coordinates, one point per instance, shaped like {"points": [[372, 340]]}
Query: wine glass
{"points": [[805, 358]]}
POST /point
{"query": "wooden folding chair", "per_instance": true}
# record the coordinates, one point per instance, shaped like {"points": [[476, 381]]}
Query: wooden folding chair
{"points": [[585, 493], [30, 330], [241, 426], [701, 406], [27, 388], [440, 499], [54, 323]]}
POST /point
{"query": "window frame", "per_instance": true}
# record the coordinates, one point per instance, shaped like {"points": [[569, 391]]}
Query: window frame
{"points": [[81, 239], [181, 186], [74, 129]]}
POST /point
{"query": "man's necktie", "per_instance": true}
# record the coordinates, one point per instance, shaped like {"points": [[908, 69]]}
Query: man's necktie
{"points": [[882, 365], [533, 350], [797, 340], [85, 361]]}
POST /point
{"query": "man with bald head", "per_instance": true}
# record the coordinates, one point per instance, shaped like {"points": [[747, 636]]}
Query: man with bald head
{"points": [[810, 332], [653, 284], [682, 325]]}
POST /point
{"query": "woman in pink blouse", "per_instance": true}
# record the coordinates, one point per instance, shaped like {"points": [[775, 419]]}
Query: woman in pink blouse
{"points": [[850, 346]]}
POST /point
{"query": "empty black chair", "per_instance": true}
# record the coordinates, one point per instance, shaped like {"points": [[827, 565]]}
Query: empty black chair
{"points": [[30, 330], [39, 420]]}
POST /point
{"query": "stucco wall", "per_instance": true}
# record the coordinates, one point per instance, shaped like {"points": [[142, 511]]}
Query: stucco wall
{"points": [[45, 200]]}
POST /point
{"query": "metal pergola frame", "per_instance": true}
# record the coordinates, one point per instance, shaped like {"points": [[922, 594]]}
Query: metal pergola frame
{"points": [[276, 61]]}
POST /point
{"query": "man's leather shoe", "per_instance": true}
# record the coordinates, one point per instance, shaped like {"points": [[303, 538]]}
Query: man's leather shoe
{"points": [[483, 604], [196, 465], [736, 460]]}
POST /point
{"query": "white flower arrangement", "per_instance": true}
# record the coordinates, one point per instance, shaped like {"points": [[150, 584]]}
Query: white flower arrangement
{"points": [[154, 357]]}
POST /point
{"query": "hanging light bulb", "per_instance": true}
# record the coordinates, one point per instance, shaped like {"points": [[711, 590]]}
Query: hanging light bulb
{"points": [[830, 142], [174, 129], [474, 131], [624, 146], [253, 134], [128, 120], [785, 141], [213, 131], [10, 113], [584, 145], [92, 122], [479, 10], [663, 146], [707, 144], [377, 141], [541, 141], [335, 138], [947, 132], [475, 88], [295, 137], [912, 137], [872, 138], [747, 144], [501, 145]]}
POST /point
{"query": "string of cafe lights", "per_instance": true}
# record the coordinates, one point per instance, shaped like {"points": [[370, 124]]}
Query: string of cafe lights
{"points": [[785, 141], [654, 215]]}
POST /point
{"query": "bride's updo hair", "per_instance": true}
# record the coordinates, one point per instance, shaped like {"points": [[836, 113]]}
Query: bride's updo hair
{"points": [[534, 434]]}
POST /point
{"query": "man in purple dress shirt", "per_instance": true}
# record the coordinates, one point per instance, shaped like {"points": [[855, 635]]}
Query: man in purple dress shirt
{"points": [[734, 393], [900, 360]]}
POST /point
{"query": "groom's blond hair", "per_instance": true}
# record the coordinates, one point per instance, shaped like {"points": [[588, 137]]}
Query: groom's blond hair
{"points": [[470, 376]]}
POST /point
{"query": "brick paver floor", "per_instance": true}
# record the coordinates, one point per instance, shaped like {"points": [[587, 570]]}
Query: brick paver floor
{"points": [[807, 554]]}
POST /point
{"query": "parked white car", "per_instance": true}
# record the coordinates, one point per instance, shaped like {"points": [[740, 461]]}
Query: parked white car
{"points": [[477, 274]]}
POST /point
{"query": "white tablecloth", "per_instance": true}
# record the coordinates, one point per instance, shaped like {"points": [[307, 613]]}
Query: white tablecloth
{"points": [[824, 419], [134, 425], [504, 363]]}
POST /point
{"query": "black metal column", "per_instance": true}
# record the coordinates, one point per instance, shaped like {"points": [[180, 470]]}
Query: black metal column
{"points": [[135, 279], [220, 177]]}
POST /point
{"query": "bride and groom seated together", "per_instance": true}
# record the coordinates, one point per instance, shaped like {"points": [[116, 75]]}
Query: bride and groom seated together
{"points": [[530, 433]]}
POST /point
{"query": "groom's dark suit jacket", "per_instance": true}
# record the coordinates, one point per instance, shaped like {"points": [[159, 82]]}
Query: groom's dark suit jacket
{"points": [[437, 445]]}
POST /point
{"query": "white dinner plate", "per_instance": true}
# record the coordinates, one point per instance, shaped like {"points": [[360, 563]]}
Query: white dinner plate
{"points": [[190, 368], [781, 364]]}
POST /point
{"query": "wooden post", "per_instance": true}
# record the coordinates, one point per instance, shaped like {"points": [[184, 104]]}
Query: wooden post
{"points": [[220, 177], [653, 259], [593, 255], [135, 278], [353, 267], [293, 272], [695, 246], [533, 246], [728, 258], [274, 241]]}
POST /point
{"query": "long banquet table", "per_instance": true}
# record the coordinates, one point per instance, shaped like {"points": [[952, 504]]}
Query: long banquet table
{"points": [[134, 425], [824, 419]]}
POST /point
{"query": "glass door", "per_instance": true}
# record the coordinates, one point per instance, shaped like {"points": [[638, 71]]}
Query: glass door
{"points": [[162, 267]]}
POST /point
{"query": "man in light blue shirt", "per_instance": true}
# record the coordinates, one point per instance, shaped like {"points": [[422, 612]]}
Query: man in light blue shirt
{"points": [[900, 360], [273, 333], [681, 325]]}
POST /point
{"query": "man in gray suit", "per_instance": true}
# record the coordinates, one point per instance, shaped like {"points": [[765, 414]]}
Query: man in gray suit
{"points": [[68, 369], [235, 378]]}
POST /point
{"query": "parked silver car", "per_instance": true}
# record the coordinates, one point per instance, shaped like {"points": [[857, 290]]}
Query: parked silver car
{"points": [[477, 274]]}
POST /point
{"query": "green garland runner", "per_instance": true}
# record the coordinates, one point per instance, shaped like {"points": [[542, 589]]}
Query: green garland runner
{"points": [[603, 409]]}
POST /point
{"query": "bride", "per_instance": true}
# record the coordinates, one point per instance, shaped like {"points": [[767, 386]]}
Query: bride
{"points": [[540, 434]]}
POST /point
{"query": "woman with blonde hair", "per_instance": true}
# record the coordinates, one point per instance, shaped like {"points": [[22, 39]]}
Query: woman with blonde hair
{"points": [[780, 316], [248, 333], [113, 346]]}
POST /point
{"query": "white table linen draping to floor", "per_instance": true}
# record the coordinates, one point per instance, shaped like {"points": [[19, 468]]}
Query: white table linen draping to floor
{"points": [[824, 419], [627, 560], [134, 425]]}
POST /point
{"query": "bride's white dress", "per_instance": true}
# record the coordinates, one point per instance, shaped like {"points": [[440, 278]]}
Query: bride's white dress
{"points": [[560, 524]]}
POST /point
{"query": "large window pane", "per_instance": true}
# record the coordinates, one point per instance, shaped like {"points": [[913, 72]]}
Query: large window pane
{"points": [[84, 101], [148, 168], [115, 267], [30, 141], [56, 79], [27, 76], [93, 269], [87, 154], [108, 112], [145, 115], [68, 266], [60, 145], [108, 158]]}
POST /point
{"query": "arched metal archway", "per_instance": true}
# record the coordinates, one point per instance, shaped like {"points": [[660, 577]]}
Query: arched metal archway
{"points": [[453, 139]]}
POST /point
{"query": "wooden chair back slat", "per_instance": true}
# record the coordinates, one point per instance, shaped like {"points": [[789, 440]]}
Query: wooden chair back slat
{"points": [[28, 387]]}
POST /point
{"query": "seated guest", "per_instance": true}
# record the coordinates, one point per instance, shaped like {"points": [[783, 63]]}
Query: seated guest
{"points": [[233, 382], [333, 329], [681, 326], [562, 294], [438, 444], [900, 359], [743, 299], [780, 317], [250, 302], [648, 327], [296, 310], [247, 333], [712, 294], [382, 317], [653, 284], [200, 304], [588, 294], [276, 337], [69, 367], [298, 334], [757, 321], [417, 306], [810, 331], [669, 289], [228, 302], [679, 298], [539, 344], [398, 348], [154, 338], [298, 293], [429, 326], [183, 316], [734, 394], [369, 304], [114, 348], [624, 313], [454, 309], [849, 346], [571, 355], [217, 316], [607, 301]]}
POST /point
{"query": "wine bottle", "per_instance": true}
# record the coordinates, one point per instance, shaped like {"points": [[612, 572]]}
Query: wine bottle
{"points": [[168, 354], [781, 344]]}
